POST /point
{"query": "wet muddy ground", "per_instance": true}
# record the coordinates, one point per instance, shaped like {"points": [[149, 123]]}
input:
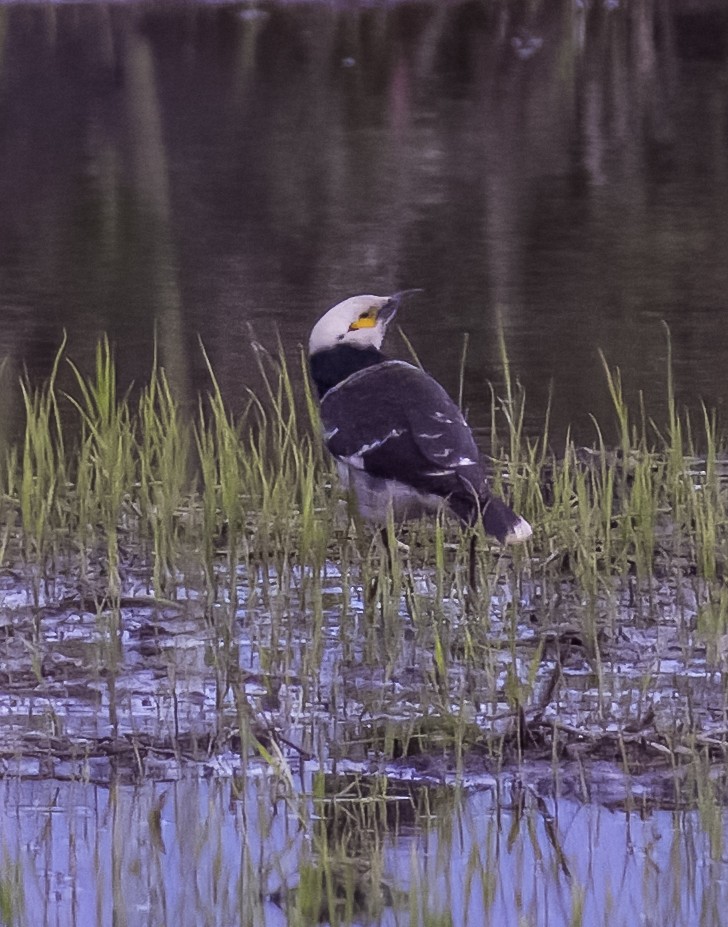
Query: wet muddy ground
{"points": [[341, 746], [129, 787], [160, 688]]}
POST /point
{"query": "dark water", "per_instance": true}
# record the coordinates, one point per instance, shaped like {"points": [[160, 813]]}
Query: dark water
{"points": [[188, 170]]}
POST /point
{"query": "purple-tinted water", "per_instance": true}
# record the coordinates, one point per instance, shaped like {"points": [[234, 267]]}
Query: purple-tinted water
{"points": [[188, 170]]}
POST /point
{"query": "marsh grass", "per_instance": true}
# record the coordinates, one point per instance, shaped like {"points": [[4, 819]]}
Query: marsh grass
{"points": [[324, 639], [257, 487], [244, 508]]}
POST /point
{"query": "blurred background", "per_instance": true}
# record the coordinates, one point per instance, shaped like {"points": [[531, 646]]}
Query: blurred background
{"points": [[186, 171]]}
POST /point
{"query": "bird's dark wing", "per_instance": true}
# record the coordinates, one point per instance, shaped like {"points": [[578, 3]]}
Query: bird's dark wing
{"points": [[397, 423]]}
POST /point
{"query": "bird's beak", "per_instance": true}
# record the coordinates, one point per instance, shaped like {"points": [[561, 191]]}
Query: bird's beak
{"points": [[389, 309]]}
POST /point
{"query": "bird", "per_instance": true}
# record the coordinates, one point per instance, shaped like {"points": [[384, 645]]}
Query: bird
{"points": [[400, 443]]}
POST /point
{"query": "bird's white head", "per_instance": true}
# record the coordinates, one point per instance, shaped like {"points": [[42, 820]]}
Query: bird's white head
{"points": [[360, 321]]}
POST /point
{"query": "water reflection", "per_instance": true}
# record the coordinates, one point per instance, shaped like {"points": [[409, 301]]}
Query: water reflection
{"points": [[226, 852], [189, 170]]}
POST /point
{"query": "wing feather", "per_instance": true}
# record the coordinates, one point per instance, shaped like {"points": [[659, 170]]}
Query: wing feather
{"points": [[397, 422]]}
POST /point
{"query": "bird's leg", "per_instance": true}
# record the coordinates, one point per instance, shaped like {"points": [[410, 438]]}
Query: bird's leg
{"points": [[387, 566], [398, 574], [473, 563], [401, 571], [472, 590], [371, 577], [388, 540], [369, 583], [393, 575], [373, 586]]}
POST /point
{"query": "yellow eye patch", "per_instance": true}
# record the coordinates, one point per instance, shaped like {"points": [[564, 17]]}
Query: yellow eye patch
{"points": [[366, 320]]}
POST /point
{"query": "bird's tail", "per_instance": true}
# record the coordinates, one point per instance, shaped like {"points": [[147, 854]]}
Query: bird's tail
{"points": [[502, 522], [498, 518]]}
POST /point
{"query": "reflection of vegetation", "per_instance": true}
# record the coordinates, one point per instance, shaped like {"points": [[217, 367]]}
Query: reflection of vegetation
{"points": [[207, 166], [197, 851], [355, 819]]}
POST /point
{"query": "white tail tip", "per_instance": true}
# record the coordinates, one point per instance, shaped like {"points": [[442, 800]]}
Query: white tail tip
{"points": [[520, 532]]}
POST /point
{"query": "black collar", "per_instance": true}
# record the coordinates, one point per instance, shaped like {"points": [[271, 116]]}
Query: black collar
{"points": [[332, 365]]}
